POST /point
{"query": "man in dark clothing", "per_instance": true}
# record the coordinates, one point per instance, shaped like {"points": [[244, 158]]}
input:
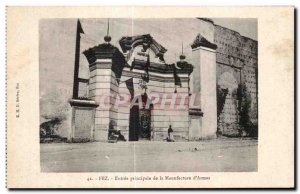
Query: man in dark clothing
{"points": [[170, 137]]}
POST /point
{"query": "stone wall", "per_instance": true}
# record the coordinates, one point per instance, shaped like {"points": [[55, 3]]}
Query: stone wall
{"points": [[236, 64]]}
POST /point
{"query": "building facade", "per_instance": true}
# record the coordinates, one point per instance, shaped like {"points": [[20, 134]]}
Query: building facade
{"points": [[135, 91]]}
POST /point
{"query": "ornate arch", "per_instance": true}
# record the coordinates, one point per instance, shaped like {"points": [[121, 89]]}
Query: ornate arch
{"points": [[128, 43]]}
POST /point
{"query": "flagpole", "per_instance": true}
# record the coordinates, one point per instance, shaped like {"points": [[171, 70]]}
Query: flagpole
{"points": [[77, 59], [107, 27]]}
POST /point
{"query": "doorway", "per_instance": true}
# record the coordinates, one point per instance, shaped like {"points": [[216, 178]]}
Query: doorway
{"points": [[140, 121], [145, 124]]}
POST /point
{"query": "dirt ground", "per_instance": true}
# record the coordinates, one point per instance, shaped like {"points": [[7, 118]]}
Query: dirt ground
{"points": [[219, 155]]}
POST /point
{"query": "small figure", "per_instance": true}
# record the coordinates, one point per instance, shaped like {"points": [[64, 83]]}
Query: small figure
{"points": [[170, 137], [114, 135]]}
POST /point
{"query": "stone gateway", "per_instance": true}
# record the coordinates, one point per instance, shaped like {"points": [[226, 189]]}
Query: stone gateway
{"points": [[133, 90]]}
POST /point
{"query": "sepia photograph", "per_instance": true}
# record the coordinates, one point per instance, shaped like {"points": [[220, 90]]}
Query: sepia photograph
{"points": [[148, 95]]}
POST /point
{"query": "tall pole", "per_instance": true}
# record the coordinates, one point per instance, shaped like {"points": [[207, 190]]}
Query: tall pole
{"points": [[107, 27], [77, 58]]}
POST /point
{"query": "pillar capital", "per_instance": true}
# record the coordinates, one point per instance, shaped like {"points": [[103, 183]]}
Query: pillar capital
{"points": [[200, 41], [106, 56]]}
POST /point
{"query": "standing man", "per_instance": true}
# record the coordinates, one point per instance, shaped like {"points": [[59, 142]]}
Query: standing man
{"points": [[170, 134]]}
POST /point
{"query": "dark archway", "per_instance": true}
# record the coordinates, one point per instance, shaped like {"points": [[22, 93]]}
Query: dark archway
{"points": [[134, 123], [140, 120]]}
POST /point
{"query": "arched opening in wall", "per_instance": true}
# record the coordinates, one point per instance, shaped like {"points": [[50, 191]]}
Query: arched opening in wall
{"points": [[227, 104], [140, 119]]}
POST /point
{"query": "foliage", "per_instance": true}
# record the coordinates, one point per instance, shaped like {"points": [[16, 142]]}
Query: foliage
{"points": [[53, 106], [54, 109], [221, 98], [244, 105]]}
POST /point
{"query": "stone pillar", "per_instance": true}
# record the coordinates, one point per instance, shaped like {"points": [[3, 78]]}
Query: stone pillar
{"points": [[103, 89], [205, 86], [106, 64], [83, 120]]}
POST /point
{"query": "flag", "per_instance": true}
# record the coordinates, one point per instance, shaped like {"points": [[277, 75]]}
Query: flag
{"points": [[147, 65], [130, 87], [79, 27], [77, 59], [146, 68]]}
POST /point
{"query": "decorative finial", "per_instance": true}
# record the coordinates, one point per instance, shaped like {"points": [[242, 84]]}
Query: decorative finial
{"points": [[107, 38], [182, 56]]}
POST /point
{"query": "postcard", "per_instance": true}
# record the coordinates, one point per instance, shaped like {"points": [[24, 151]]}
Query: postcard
{"points": [[150, 97]]}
